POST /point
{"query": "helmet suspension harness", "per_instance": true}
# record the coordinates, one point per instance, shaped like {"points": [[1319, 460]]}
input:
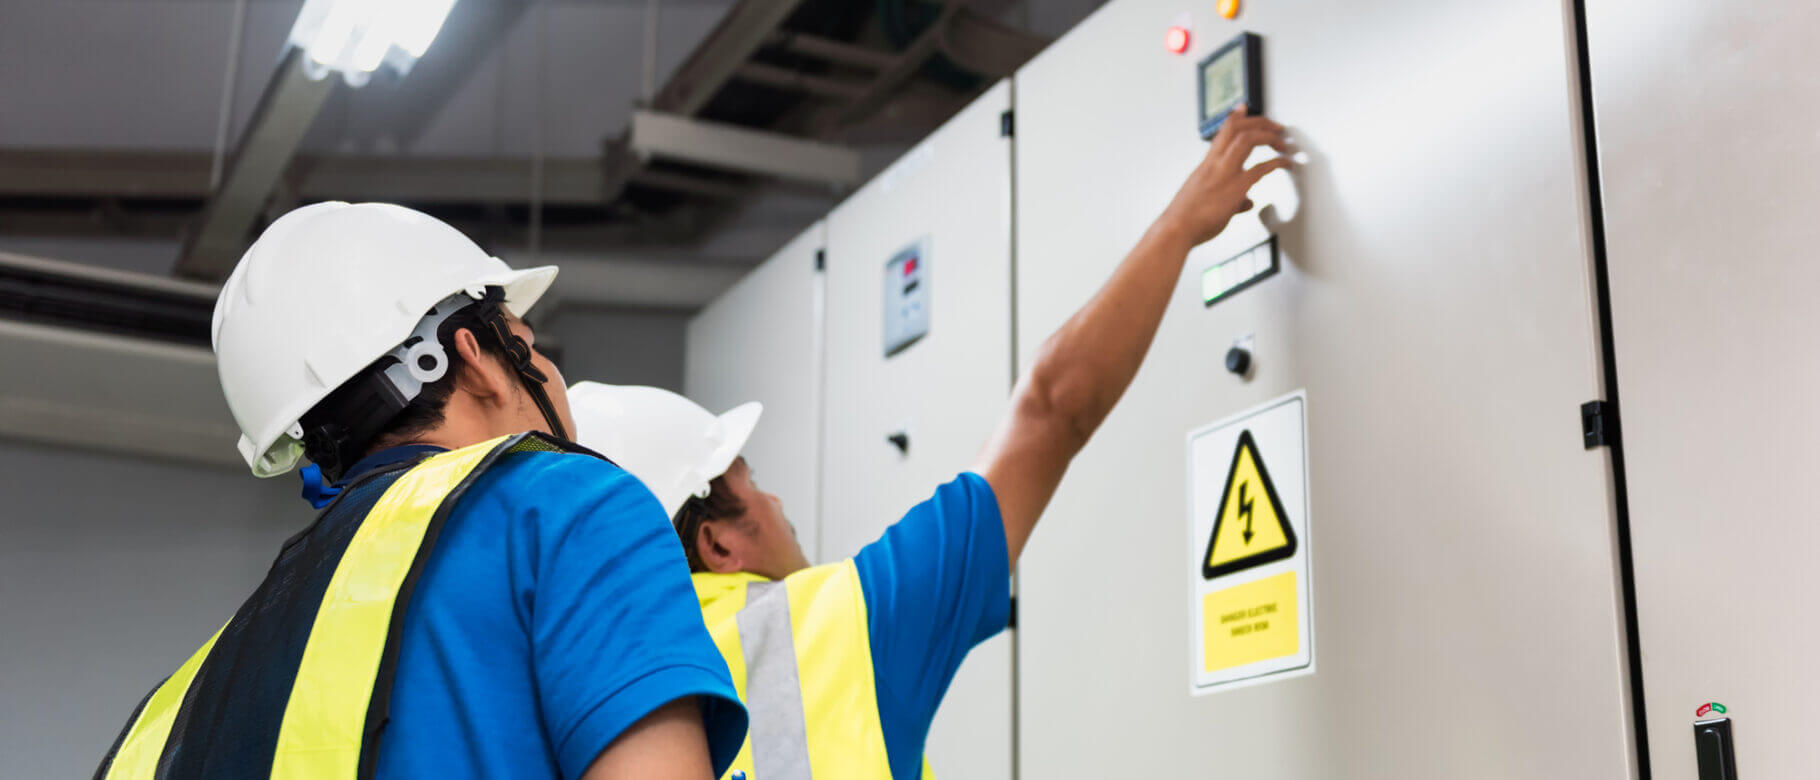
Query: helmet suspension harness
{"points": [[520, 354], [338, 429]]}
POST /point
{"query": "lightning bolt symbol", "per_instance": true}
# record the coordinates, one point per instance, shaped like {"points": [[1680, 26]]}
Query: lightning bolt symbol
{"points": [[1245, 509]]}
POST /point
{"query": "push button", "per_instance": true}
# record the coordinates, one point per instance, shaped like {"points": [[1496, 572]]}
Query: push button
{"points": [[1238, 360]]}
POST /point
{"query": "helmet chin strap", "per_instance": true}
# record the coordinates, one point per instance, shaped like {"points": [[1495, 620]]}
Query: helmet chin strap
{"points": [[520, 355]]}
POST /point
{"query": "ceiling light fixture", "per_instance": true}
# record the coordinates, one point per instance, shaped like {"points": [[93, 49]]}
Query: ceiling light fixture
{"points": [[357, 37]]}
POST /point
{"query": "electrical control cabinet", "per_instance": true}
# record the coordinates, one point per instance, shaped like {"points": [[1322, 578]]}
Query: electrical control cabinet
{"points": [[1705, 119], [1432, 306], [761, 341], [898, 426]]}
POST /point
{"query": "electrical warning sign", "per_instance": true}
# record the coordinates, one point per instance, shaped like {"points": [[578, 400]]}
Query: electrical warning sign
{"points": [[1251, 528], [1249, 597]]}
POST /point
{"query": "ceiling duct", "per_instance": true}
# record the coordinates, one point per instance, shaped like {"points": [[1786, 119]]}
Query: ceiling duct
{"points": [[59, 294], [110, 361]]}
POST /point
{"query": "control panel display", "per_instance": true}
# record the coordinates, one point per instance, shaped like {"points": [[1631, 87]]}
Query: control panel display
{"points": [[1231, 75], [906, 297]]}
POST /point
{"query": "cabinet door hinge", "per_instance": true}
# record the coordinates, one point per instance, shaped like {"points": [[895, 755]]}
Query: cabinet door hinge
{"points": [[1598, 424]]}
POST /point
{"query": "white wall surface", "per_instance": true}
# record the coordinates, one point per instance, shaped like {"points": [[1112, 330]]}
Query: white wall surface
{"points": [[113, 570], [950, 196]]}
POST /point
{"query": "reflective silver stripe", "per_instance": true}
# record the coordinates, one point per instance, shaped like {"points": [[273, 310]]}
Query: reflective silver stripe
{"points": [[780, 740]]}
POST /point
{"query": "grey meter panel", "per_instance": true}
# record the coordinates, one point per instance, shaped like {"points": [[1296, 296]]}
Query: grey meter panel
{"points": [[906, 297]]}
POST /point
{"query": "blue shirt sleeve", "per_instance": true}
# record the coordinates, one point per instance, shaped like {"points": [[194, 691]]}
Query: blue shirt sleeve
{"points": [[613, 622], [936, 584]]}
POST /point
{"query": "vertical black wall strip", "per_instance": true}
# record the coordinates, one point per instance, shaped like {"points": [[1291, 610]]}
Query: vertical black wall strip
{"points": [[1595, 199], [1007, 130]]}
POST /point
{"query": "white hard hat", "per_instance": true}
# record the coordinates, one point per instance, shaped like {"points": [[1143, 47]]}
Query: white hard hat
{"points": [[668, 442], [325, 291]]}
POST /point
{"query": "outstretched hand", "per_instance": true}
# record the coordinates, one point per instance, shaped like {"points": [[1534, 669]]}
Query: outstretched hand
{"points": [[1084, 367], [1218, 188]]}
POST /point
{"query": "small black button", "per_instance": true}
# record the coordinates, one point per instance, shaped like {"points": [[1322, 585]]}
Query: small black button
{"points": [[1238, 360]]}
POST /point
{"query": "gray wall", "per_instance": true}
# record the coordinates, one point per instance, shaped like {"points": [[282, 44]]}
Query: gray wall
{"points": [[138, 255], [620, 346], [113, 570]]}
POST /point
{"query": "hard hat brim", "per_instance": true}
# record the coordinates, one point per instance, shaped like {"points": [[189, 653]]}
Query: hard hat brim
{"points": [[525, 287], [739, 423]]}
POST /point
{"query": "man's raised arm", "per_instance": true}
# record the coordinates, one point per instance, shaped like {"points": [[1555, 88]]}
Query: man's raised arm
{"points": [[1085, 366]]}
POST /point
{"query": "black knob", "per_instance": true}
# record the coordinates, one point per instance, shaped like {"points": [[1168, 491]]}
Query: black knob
{"points": [[901, 440], [1238, 360]]}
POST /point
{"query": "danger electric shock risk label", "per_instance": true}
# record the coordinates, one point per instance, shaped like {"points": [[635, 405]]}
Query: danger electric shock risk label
{"points": [[1248, 524]]}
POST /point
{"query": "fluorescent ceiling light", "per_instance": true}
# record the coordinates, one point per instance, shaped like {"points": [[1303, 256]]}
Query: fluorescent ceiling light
{"points": [[356, 37]]}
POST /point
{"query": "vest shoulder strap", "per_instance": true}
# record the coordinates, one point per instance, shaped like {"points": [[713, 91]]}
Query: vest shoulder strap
{"points": [[300, 679]]}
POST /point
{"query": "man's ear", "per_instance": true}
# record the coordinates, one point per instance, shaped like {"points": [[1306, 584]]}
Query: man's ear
{"points": [[711, 544], [481, 375]]}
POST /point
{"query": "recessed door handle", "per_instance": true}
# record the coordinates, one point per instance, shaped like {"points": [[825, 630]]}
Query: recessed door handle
{"points": [[1713, 749]]}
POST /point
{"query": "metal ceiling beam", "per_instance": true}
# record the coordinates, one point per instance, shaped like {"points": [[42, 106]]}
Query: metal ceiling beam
{"points": [[908, 63], [784, 78], [745, 28], [284, 113], [839, 52], [573, 181], [86, 173], [748, 25], [688, 185], [987, 47], [744, 149], [620, 280], [103, 172]]}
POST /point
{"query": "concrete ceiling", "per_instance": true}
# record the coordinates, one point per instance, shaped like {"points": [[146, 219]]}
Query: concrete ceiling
{"points": [[507, 82], [148, 74]]}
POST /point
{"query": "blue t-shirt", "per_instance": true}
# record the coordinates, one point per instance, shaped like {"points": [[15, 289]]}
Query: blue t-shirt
{"points": [[554, 612], [936, 584]]}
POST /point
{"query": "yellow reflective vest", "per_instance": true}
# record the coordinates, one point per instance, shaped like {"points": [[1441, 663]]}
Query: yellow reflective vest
{"points": [[800, 654], [297, 684]]}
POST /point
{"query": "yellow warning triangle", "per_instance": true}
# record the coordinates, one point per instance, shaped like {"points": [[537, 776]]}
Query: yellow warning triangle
{"points": [[1251, 528]]}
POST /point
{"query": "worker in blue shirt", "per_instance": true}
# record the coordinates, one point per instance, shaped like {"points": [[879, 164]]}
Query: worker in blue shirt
{"points": [[843, 665], [478, 597]]}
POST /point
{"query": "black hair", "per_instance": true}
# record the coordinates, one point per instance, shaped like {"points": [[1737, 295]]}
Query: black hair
{"points": [[720, 504], [367, 412]]}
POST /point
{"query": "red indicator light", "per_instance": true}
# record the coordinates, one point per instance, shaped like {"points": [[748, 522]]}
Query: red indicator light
{"points": [[1176, 40], [910, 266]]}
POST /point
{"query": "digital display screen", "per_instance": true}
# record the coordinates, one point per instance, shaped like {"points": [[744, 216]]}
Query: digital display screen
{"points": [[1222, 83], [906, 302]]}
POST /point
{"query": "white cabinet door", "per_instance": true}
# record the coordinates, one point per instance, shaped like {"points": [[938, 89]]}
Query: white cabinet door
{"points": [[1706, 117], [1435, 303], [949, 199], [761, 341]]}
